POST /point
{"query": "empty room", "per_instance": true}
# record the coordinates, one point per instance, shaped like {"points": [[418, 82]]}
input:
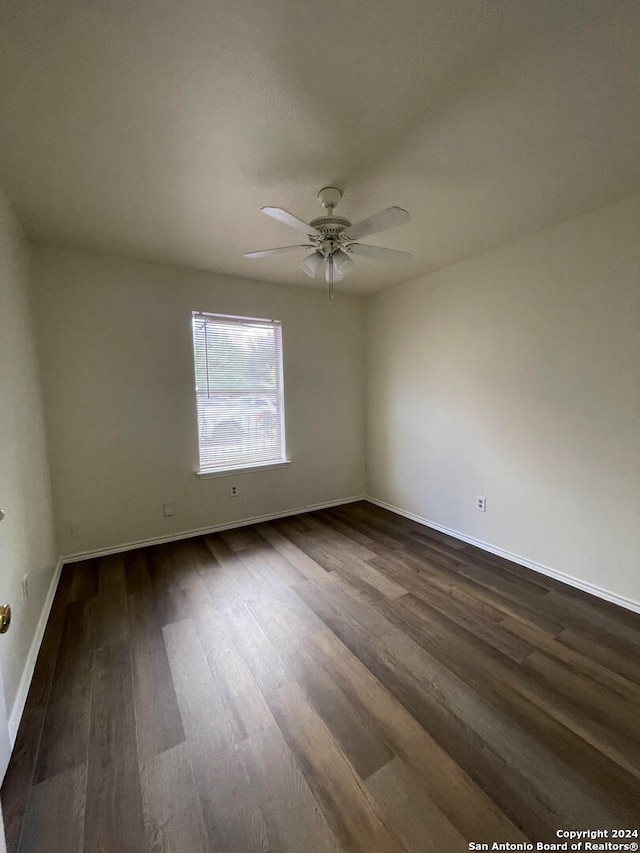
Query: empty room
{"points": [[319, 426]]}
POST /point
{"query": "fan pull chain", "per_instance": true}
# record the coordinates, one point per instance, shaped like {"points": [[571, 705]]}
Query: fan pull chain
{"points": [[330, 279]]}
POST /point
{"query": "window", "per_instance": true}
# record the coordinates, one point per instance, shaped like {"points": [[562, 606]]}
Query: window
{"points": [[239, 391]]}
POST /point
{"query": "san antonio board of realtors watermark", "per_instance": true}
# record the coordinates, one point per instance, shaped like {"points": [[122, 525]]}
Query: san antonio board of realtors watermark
{"points": [[587, 840]]}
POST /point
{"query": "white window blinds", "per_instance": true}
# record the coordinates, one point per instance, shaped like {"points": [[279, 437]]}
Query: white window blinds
{"points": [[239, 391]]}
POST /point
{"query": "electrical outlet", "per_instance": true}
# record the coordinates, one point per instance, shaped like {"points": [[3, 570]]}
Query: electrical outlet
{"points": [[234, 491], [168, 510], [25, 586], [481, 503], [75, 529]]}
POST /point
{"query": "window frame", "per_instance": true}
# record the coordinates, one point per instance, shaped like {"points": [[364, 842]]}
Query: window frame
{"points": [[246, 465]]}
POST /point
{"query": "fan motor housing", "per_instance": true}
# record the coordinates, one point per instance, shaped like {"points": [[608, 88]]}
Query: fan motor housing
{"points": [[330, 226]]}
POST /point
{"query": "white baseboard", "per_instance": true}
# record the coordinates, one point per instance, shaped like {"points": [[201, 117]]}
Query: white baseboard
{"points": [[216, 528], [30, 665], [605, 594]]}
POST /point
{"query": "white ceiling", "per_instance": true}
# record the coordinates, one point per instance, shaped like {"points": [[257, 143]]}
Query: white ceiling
{"points": [[158, 129]]}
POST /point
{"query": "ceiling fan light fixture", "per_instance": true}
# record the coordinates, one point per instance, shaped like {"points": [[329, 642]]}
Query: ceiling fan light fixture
{"points": [[331, 272], [342, 262], [312, 264]]}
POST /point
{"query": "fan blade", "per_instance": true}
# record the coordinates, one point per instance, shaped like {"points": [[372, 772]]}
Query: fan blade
{"points": [[389, 218], [312, 264], [377, 252], [290, 220], [264, 252]]}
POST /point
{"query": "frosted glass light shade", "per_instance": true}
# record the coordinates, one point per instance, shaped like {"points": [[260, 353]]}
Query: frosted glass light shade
{"points": [[312, 264], [331, 271], [342, 262]]}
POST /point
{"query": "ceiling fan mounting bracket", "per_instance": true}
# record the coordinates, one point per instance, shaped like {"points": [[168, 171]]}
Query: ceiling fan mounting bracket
{"points": [[329, 197]]}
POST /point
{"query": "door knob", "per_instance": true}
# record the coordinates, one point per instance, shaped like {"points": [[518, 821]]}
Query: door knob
{"points": [[5, 618]]}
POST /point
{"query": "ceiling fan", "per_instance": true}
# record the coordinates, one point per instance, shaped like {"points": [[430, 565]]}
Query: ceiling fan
{"points": [[334, 239]]}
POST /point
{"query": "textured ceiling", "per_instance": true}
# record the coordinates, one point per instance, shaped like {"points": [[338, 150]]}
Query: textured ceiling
{"points": [[158, 129]]}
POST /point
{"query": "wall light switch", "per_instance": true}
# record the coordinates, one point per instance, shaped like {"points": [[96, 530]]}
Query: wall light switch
{"points": [[168, 510]]}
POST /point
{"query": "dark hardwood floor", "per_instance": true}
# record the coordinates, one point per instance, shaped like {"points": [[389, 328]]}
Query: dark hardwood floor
{"points": [[345, 680]]}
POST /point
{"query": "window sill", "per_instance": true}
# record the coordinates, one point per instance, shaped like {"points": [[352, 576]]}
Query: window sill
{"points": [[242, 469]]}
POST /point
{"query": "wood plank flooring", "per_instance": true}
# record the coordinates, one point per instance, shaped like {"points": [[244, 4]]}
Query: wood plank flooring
{"points": [[345, 680]]}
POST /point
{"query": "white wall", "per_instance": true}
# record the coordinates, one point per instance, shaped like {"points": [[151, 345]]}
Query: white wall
{"points": [[26, 535], [116, 354], [516, 375]]}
